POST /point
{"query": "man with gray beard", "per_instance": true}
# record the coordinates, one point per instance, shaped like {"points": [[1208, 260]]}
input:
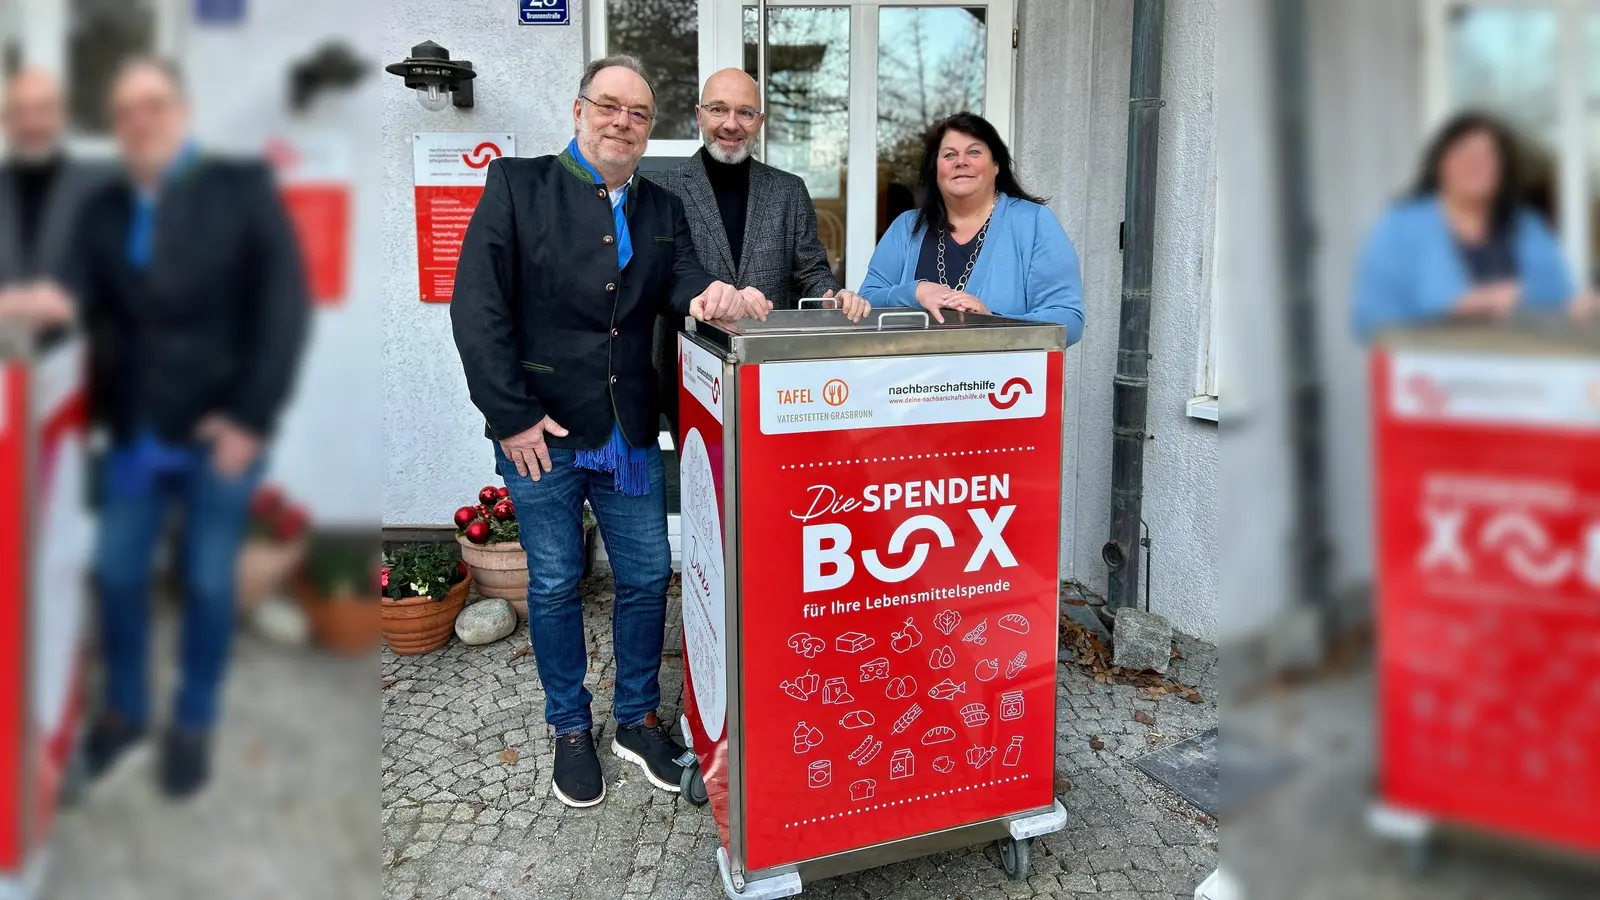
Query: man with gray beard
{"points": [[753, 225]]}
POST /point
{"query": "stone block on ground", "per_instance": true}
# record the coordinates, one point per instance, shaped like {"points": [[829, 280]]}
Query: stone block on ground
{"points": [[1141, 640], [485, 622]]}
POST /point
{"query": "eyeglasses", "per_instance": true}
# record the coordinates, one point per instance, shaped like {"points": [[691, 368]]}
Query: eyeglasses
{"points": [[636, 116], [718, 112]]}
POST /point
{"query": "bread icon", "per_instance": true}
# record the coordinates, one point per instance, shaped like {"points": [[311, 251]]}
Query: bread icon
{"points": [[1014, 623], [938, 735]]}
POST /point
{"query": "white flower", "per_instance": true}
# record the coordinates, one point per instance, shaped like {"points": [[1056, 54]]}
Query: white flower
{"points": [[418, 589]]}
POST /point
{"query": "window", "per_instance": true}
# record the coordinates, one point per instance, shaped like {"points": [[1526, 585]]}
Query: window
{"points": [[1535, 63], [666, 36]]}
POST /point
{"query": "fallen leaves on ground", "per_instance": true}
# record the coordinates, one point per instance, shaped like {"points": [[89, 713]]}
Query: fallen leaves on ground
{"points": [[1143, 718], [1095, 743], [1063, 784], [1085, 650], [509, 756]]}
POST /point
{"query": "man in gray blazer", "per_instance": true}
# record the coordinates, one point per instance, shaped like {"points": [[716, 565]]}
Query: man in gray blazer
{"points": [[41, 188], [752, 225]]}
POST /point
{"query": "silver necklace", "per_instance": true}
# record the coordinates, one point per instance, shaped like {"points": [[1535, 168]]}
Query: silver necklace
{"points": [[961, 283]]}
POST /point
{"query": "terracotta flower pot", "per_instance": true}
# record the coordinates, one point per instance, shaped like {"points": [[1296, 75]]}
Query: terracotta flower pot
{"points": [[413, 625], [346, 623], [264, 567], [499, 570]]}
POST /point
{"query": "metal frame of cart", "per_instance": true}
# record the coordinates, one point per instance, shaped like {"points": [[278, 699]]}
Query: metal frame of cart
{"points": [[826, 334]]}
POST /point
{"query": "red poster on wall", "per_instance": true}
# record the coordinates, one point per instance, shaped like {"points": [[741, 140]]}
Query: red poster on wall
{"points": [[1489, 590], [450, 171], [900, 677], [314, 173]]}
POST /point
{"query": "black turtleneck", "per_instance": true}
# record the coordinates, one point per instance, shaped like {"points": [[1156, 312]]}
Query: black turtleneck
{"points": [[32, 180], [731, 184]]}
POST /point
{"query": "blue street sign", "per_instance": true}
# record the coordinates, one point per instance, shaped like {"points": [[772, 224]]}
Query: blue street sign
{"points": [[222, 12], [544, 12]]}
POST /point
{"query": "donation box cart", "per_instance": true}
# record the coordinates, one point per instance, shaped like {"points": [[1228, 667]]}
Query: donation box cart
{"points": [[870, 544], [44, 536], [1488, 590]]}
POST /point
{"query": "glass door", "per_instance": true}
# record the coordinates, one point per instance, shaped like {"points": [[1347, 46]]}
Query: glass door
{"points": [[852, 88]]}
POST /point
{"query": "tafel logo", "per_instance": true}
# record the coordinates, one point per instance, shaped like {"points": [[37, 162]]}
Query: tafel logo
{"points": [[481, 155], [716, 390], [1010, 393], [1430, 398], [835, 392]]}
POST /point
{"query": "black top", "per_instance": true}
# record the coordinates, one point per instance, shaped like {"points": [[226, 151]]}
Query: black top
{"points": [[545, 322], [731, 184], [32, 181], [955, 258], [1493, 260], [217, 321]]}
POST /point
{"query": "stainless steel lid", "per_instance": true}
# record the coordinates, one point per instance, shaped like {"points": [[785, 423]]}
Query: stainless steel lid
{"points": [[827, 334]]}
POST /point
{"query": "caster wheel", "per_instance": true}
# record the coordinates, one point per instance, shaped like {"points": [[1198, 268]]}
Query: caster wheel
{"points": [[692, 787], [1418, 858], [1017, 857]]}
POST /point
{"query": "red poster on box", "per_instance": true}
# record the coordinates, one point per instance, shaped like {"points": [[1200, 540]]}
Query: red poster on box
{"points": [[1489, 590], [450, 170], [899, 577]]}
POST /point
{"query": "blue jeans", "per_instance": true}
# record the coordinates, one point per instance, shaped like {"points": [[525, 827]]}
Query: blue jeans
{"points": [[550, 520], [132, 513]]}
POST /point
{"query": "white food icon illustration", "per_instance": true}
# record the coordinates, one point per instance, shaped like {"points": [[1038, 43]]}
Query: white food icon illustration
{"points": [[1014, 668], [902, 765], [800, 688], [973, 714], [978, 756], [806, 738], [944, 765], [986, 669], [938, 734], [976, 635], [907, 638], [835, 691], [820, 773], [947, 621], [852, 642], [901, 688], [865, 789], [906, 718], [947, 690], [1013, 623], [806, 645], [857, 718], [875, 670], [942, 658]]}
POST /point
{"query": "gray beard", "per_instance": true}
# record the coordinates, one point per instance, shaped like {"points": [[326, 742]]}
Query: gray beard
{"points": [[717, 153]]}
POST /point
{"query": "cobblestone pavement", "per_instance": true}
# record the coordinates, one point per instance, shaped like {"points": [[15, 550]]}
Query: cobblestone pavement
{"points": [[468, 811], [289, 812], [1308, 839]]}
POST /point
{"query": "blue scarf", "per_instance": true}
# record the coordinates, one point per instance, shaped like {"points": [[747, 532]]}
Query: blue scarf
{"points": [[142, 229], [630, 465]]}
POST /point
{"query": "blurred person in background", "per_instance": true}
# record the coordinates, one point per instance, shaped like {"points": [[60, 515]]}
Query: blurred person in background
{"points": [[41, 190], [186, 277], [1464, 244], [978, 242]]}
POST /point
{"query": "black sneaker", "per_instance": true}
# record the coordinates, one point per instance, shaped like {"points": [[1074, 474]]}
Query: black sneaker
{"points": [[108, 740], [648, 747], [185, 762], [577, 779]]}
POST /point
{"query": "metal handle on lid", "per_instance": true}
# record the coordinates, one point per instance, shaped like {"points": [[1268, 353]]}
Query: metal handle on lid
{"points": [[889, 315], [822, 302]]}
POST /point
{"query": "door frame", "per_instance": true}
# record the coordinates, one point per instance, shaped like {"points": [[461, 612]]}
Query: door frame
{"points": [[1572, 77]]}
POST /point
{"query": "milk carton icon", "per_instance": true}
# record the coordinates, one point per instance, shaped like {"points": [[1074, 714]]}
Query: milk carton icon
{"points": [[902, 765]]}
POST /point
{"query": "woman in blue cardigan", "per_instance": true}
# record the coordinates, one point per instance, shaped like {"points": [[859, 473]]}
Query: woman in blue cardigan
{"points": [[1463, 245], [978, 242]]}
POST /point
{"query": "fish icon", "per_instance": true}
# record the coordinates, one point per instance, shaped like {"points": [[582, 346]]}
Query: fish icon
{"points": [[947, 690]]}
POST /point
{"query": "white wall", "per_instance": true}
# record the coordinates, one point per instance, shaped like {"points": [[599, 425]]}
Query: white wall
{"points": [[435, 455], [1367, 135], [238, 80], [1071, 144]]}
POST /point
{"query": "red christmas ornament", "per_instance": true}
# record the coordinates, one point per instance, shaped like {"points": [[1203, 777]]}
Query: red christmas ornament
{"points": [[488, 495], [465, 515], [478, 532], [505, 510], [503, 493]]}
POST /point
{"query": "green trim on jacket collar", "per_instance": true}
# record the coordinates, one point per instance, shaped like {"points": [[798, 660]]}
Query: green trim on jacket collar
{"points": [[575, 167]]}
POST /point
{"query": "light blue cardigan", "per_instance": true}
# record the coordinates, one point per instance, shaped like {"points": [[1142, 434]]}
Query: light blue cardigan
{"points": [[1028, 268], [1411, 270]]}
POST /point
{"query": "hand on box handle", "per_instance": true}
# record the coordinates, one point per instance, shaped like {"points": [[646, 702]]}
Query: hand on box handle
{"points": [[722, 302], [527, 451], [854, 306]]}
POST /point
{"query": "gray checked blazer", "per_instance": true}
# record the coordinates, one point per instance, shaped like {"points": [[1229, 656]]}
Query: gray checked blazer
{"points": [[782, 257], [73, 185]]}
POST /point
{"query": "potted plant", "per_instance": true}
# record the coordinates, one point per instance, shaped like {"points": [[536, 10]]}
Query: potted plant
{"points": [[273, 547], [489, 543], [333, 592], [491, 547], [424, 587]]}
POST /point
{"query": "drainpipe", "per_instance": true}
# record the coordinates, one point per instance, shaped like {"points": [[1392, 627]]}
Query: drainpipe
{"points": [[1291, 103], [1131, 385]]}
